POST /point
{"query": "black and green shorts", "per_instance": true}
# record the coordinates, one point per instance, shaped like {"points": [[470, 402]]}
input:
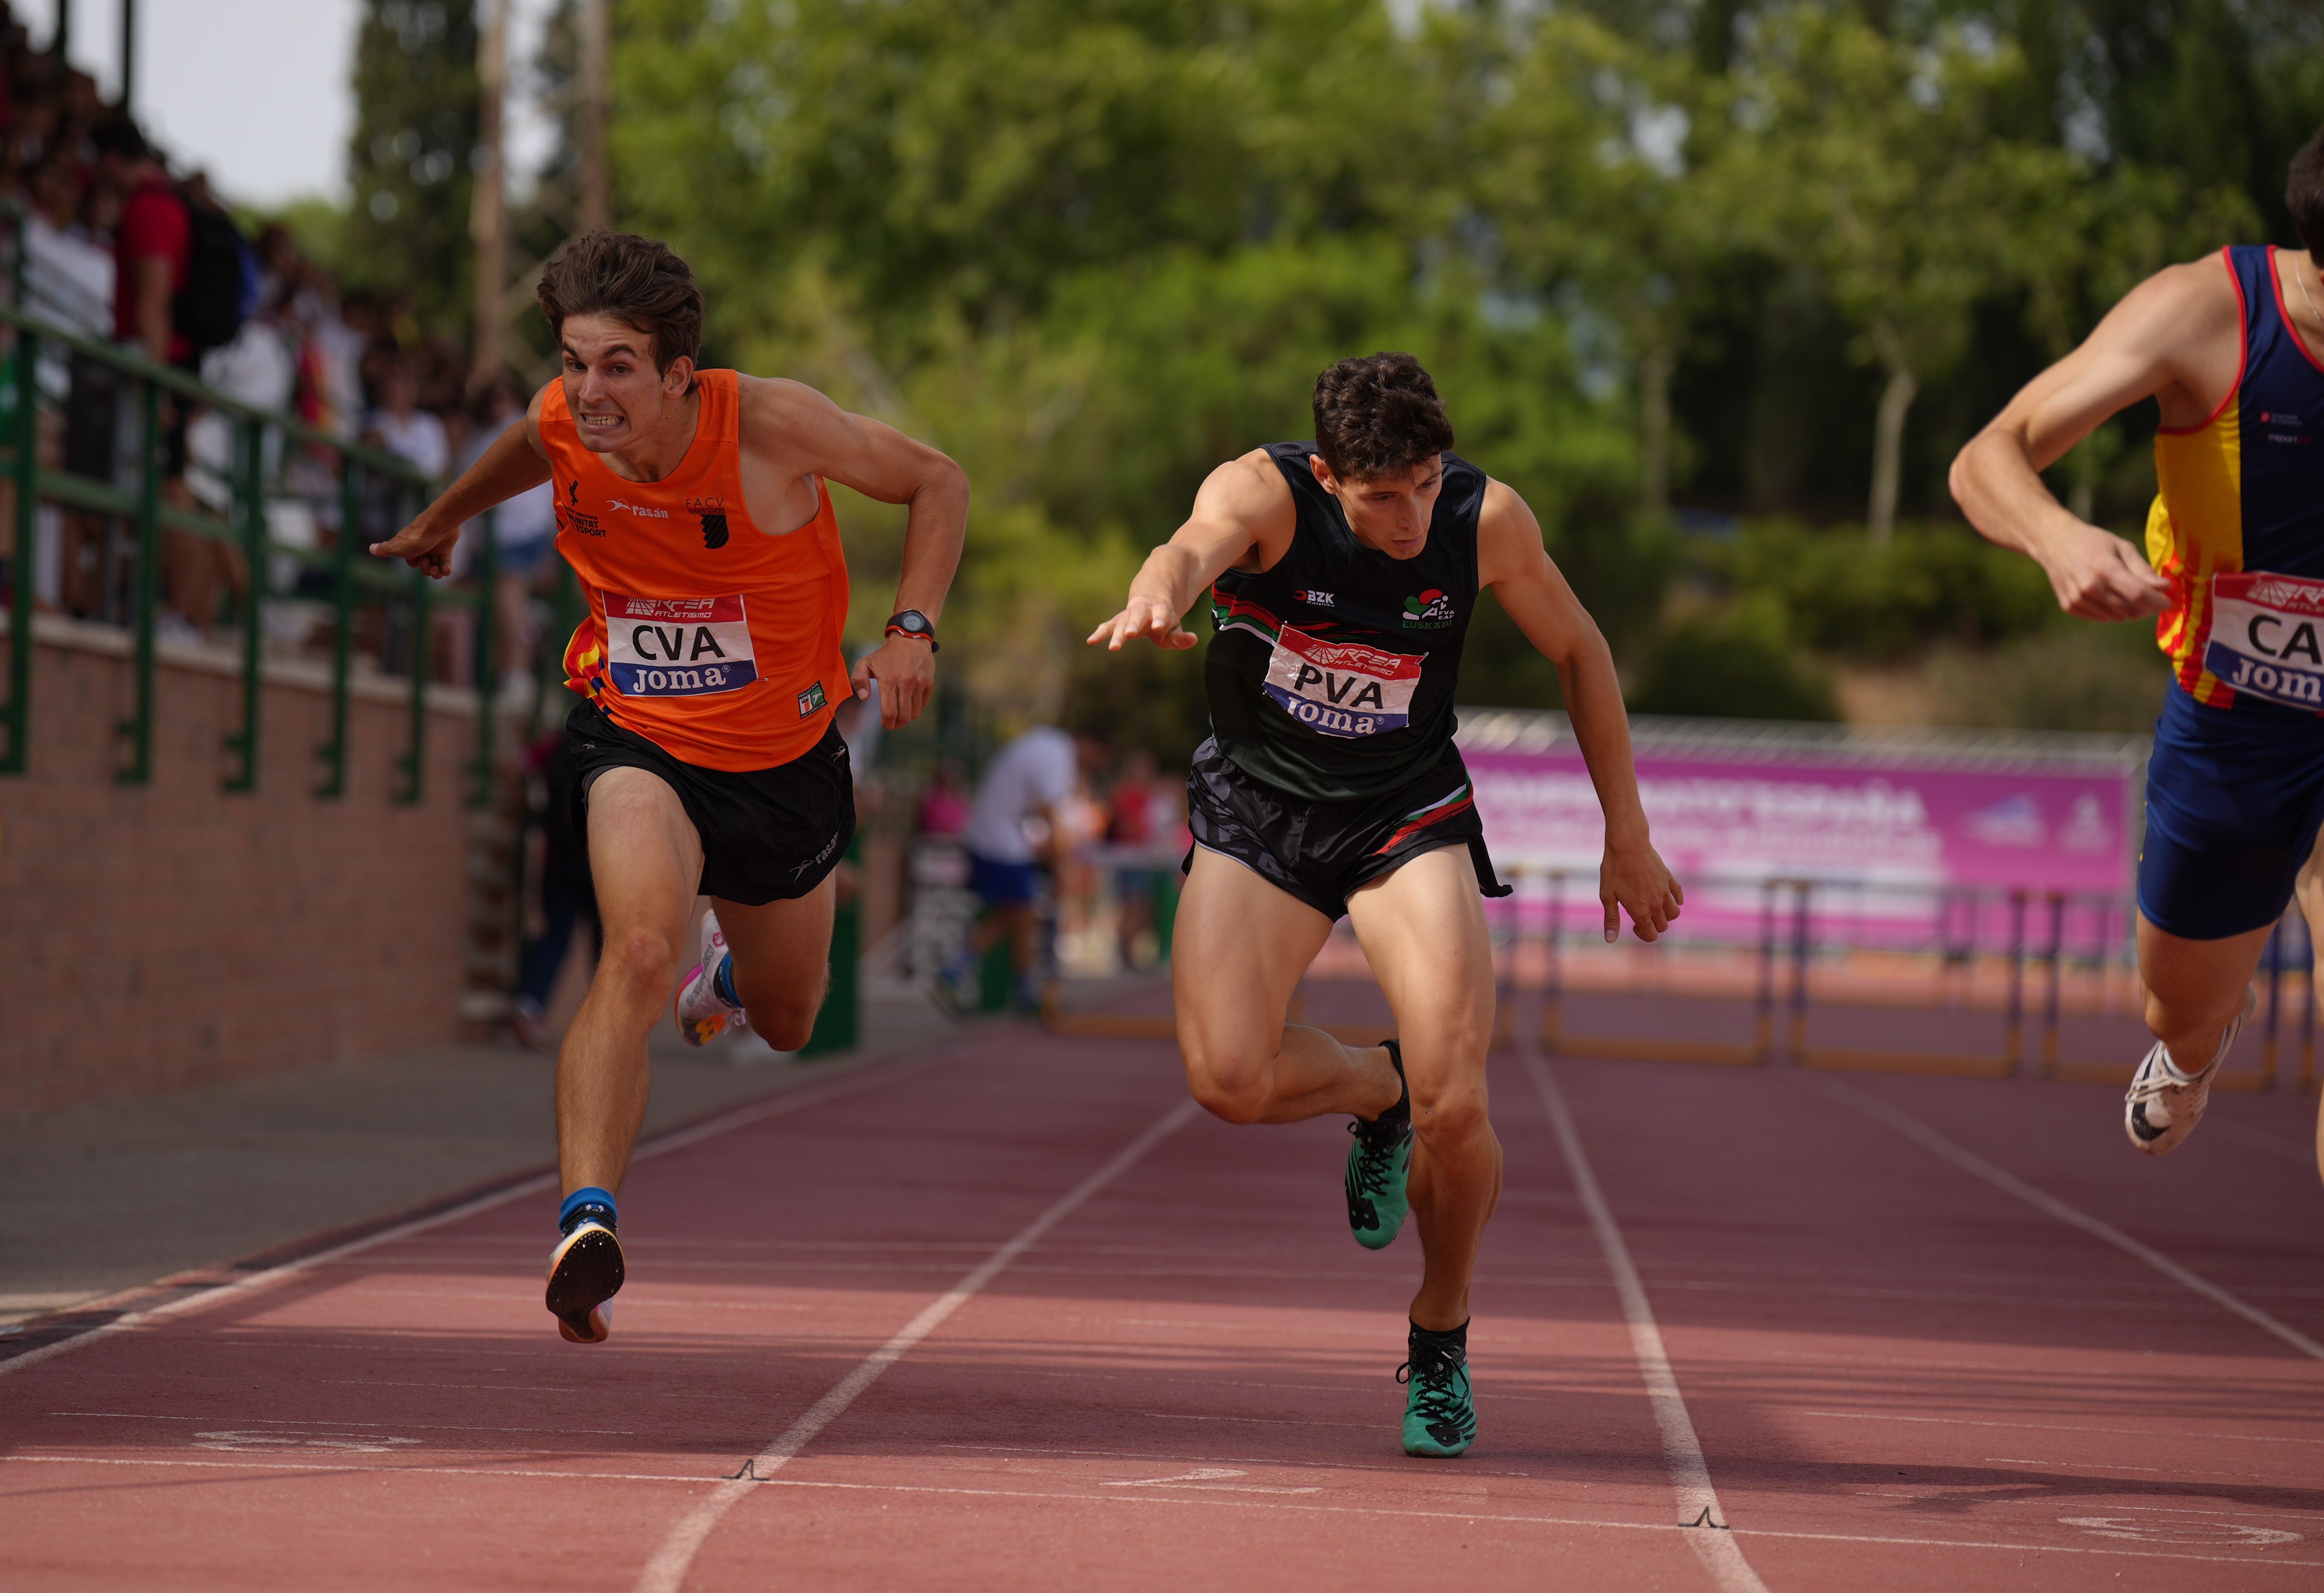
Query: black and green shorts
{"points": [[1320, 851]]}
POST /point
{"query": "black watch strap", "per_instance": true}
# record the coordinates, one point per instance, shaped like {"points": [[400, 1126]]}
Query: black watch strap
{"points": [[914, 623]]}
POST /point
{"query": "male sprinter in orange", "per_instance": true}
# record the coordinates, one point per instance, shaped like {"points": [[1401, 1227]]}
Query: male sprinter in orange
{"points": [[2231, 348], [1343, 575], [691, 503]]}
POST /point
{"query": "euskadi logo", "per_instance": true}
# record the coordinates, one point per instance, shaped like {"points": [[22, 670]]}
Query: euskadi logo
{"points": [[1429, 610]]}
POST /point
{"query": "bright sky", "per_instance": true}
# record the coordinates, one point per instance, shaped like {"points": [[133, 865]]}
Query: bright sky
{"points": [[252, 91]]}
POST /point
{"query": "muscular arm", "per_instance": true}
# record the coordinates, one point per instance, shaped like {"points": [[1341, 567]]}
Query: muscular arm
{"points": [[515, 462], [2176, 337], [1243, 511], [811, 434], [1512, 561]]}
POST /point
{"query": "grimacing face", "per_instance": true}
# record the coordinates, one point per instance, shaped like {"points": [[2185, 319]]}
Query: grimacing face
{"points": [[1390, 512], [615, 395]]}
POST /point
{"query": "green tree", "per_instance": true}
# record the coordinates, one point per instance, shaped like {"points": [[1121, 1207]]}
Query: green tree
{"points": [[1895, 188], [408, 158]]}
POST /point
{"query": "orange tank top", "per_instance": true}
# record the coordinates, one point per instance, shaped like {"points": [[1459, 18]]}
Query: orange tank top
{"points": [[712, 639]]}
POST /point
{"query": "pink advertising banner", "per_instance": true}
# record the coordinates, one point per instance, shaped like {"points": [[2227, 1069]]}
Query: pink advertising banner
{"points": [[1890, 828]]}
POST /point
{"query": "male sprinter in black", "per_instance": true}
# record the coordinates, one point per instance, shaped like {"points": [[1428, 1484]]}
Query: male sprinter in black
{"points": [[1343, 575]]}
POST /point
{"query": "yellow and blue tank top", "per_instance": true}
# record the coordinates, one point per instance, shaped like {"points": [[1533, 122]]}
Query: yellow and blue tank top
{"points": [[2237, 526]]}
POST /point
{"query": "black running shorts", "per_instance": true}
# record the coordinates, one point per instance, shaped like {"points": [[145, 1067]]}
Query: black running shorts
{"points": [[1321, 852], [768, 834]]}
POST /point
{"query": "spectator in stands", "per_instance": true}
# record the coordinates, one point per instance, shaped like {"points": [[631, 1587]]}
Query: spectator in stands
{"points": [[1131, 816], [523, 528], [568, 896], [68, 282], [154, 259], [943, 811], [405, 430], [1019, 821]]}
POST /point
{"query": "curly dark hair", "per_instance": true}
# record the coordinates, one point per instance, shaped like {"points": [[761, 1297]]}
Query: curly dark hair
{"points": [[638, 282], [1378, 414]]}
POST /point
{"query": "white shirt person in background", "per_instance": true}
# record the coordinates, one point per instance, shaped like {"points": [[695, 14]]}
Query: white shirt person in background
{"points": [[1013, 828]]}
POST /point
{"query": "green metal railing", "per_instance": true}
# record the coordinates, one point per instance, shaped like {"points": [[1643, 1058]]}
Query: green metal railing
{"points": [[352, 582]]}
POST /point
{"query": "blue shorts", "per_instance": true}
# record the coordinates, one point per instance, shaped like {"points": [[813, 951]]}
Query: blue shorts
{"points": [[1002, 884], [2234, 797]]}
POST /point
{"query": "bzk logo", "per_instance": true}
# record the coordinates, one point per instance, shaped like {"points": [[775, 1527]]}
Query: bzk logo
{"points": [[1430, 610], [1322, 600], [714, 530]]}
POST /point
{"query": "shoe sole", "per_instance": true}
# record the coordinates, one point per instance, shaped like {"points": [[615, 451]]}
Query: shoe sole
{"points": [[585, 1274], [692, 1030]]}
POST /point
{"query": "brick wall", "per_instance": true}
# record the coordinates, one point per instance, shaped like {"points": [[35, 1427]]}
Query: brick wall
{"points": [[160, 935]]}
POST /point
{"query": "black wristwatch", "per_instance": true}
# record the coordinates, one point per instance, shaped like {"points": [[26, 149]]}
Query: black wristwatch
{"points": [[913, 624]]}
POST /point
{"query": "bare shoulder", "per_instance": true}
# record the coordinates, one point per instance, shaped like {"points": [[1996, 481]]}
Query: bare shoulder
{"points": [[1509, 536], [1250, 490], [2186, 303], [532, 413], [770, 406], [1503, 510]]}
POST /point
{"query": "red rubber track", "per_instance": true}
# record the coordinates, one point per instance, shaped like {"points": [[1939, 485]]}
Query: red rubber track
{"points": [[1902, 1376]]}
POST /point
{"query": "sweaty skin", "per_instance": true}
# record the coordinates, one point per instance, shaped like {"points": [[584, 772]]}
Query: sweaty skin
{"points": [[644, 853], [2176, 338], [1240, 944]]}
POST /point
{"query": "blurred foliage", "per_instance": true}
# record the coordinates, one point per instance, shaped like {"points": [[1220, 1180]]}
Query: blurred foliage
{"points": [[1932, 584], [2068, 678], [1734, 663], [1690, 258], [407, 159]]}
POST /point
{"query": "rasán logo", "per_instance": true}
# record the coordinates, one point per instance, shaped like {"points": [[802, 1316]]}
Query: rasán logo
{"points": [[1430, 610]]}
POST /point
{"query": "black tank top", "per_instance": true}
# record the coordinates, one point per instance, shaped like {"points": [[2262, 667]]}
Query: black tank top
{"points": [[1331, 674]]}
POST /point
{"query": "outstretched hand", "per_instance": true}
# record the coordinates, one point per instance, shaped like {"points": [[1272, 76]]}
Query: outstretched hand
{"points": [[1144, 616], [425, 545], [906, 671], [1633, 878]]}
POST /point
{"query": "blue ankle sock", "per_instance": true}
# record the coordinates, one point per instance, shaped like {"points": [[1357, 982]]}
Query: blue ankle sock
{"points": [[586, 1205], [722, 981]]}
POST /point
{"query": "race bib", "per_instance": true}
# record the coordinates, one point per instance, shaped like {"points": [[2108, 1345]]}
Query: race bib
{"points": [[677, 647], [2264, 637], [1342, 688]]}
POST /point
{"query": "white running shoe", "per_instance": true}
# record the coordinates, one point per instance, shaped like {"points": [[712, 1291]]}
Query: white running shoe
{"points": [[2165, 1105], [703, 1014]]}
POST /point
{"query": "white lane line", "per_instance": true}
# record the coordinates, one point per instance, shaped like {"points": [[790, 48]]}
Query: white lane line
{"points": [[2179, 1435], [789, 1101], [1698, 1502], [666, 1571], [1207, 1501], [2009, 1184]]}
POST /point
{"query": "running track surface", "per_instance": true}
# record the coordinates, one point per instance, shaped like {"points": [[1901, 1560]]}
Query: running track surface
{"points": [[1122, 1346]]}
